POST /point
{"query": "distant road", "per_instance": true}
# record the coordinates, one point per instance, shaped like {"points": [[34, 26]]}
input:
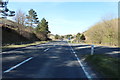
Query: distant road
{"points": [[56, 59]]}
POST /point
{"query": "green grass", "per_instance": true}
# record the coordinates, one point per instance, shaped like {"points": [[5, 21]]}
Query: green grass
{"points": [[108, 66], [23, 45]]}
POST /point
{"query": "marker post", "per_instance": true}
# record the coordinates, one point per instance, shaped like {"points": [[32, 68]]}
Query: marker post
{"points": [[92, 49]]}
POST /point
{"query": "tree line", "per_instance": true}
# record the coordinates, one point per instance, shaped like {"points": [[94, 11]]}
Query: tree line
{"points": [[79, 37]]}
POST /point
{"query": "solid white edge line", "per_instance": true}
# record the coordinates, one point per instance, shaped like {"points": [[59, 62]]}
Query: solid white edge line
{"points": [[86, 73], [18, 65], [88, 76], [75, 55], [74, 52]]}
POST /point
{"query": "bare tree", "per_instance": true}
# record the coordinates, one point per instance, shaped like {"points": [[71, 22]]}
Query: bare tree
{"points": [[20, 17]]}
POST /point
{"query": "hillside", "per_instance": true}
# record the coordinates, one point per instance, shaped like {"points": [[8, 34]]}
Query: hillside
{"points": [[12, 33], [105, 32]]}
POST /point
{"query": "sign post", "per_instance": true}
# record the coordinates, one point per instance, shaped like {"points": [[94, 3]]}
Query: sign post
{"points": [[92, 49]]}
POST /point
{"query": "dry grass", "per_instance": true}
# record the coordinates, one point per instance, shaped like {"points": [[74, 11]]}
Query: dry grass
{"points": [[24, 45]]}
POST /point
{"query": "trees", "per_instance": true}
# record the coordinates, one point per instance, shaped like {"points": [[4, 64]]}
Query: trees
{"points": [[32, 18], [20, 17], [80, 36], [57, 36], [26, 20], [69, 36], [43, 26], [4, 11]]}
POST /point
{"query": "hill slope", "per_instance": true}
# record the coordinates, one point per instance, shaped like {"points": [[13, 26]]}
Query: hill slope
{"points": [[105, 32], [12, 33]]}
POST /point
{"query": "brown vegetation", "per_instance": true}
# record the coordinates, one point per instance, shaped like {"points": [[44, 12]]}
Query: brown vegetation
{"points": [[105, 32]]}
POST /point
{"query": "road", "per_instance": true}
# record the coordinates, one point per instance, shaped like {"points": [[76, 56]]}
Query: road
{"points": [[57, 59], [51, 60]]}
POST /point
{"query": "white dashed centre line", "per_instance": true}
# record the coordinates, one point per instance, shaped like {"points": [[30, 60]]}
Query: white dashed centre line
{"points": [[18, 65], [46, 49]]}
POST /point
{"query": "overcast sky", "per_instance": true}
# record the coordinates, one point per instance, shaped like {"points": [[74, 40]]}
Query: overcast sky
{"points": [[68, 17]]}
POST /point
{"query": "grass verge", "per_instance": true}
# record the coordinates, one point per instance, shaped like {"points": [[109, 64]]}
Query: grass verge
{"points": [[105, 65], [23, 45]]}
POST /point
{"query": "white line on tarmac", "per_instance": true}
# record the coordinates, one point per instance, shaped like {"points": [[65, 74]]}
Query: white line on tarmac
{"points": [[46, 49], [79, 61], [88, 76], [18, 65]]}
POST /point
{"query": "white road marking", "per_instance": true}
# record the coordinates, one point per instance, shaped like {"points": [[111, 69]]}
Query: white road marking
{"points": [[75, 55], [71, 48], [79, 61], [46, 49], [88, 76], [18, 65], [74, 52]]}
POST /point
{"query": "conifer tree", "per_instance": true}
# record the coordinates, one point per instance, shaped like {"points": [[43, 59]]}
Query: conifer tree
{"points": [[32, 17], [43, 26]]}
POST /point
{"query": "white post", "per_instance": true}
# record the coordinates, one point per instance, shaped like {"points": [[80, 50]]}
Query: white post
{"points": [[92, 49]]}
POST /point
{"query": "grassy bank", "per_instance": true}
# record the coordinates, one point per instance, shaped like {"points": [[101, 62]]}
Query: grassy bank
{"points": [[23, 45], [105, 65]]}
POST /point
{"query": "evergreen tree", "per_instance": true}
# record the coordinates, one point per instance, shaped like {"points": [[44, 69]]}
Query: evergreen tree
{"points": [[4, 11], [57, 36], [78, 36], [32, 17], [43, 26], [82, 37]]}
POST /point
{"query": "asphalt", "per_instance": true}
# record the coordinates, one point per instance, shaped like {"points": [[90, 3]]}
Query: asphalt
{"points": [[51, 60]]}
